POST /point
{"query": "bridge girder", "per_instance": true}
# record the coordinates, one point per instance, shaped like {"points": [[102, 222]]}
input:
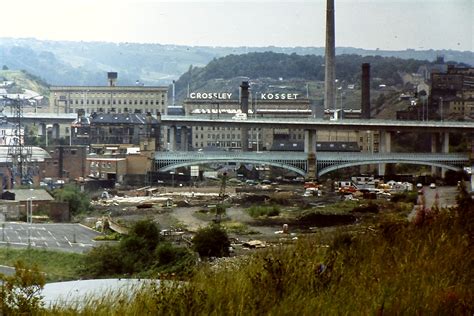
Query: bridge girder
{"points": [[298, 163], [175, 165], [334, 167]]}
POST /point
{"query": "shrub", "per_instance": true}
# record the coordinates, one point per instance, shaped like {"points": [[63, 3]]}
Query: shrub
{"points": [[20, 293], [78, 201], [171, 259], [257, 210], [368, 208], [211, 241], [407, 197]]}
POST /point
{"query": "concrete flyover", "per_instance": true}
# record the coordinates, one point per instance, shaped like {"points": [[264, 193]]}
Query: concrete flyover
{"points": [[298, 161], [320, 124]]}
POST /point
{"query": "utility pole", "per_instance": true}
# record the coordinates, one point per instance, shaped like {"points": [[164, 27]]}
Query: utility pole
{"points": [[19, 155]]}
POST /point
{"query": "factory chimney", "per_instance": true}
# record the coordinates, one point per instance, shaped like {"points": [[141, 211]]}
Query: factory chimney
{"points": [[112, 78], [365, 88], [244, 107], [244, 97], [330, 66]]}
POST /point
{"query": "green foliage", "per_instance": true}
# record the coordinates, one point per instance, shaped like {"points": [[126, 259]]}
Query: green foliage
{"points": [[366, 208], [262, 210], [78, 201], [20, 293], [211, 241], [465, 210], [57, 265], [109, 237], [140, 252], [396, 268], [407, 197], [171, 259]]}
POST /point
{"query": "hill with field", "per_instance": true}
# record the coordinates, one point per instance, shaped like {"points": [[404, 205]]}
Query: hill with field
{"points": [[85, 63]]}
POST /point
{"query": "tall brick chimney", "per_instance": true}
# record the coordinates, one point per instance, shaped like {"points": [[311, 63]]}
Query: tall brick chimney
{"points": [[330, 57], [365, 89]]}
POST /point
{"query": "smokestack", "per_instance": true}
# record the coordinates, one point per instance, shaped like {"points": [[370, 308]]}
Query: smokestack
{"points": [[244, 97], [112, 78], [365, 87], [330, 66]]}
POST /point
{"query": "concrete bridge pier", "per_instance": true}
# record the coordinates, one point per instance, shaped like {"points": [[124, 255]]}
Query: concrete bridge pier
{"points": [[385, 147], [434, 149], [244, 138], [310, 149], [184, 138], [439, 143], [445, 150], [173, 134]]}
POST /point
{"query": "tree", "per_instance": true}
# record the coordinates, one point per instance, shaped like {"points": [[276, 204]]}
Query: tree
{"points": [[211, 241], [20, 293], [78, 201], [5, 67]]}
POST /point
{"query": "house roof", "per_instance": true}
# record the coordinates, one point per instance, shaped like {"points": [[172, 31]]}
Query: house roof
{"points": [[33, 194]]}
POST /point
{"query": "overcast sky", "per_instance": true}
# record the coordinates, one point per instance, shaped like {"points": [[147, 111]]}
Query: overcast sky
{"points": [[370, 24]]}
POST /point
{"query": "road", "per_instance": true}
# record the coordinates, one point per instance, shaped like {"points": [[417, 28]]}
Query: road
{"points": [[446, 196], [63, 237]]}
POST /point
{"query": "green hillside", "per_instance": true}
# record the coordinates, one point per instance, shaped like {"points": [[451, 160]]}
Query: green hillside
{"points": [[24, 80]]}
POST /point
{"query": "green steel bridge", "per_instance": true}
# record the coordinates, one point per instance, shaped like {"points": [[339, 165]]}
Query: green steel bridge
{"points": [[298, 161]]}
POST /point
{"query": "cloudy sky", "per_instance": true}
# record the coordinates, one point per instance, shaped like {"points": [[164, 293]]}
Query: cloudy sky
{"points": [[370, 24]]}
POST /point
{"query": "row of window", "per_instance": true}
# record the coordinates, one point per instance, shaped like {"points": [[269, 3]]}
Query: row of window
{"points": [[96, 164], [113, 101], [114, 110], [218, 144], [84, 94]]}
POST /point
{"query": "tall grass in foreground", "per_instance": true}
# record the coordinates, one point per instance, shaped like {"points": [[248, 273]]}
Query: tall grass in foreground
{"points": [[397, 268]]}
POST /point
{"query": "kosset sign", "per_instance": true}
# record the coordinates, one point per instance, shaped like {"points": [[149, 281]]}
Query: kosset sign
{"points": [[279, 96]]}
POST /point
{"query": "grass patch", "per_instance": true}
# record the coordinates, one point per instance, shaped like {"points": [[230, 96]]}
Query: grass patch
{"points": [[108, 237], [58, 266], [396, 268], [263, 211], [237, 228], [342, 207]]}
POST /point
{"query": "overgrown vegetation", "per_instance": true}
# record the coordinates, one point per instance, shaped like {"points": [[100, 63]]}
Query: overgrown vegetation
{"points": [[211, 241], [142, 252], [20, 293], [263, 210], [394, 268], [78, 201], [56, 265]]}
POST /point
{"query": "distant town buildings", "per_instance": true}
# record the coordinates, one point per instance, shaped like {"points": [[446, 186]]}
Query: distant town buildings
{"points": [[108, 99], [452, 93], [265, 105]]}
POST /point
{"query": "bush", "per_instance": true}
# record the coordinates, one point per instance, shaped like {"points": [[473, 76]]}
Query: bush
{"points": [[78, 201], [171, 259], [20, 293], [211, 241], [257, 210], [407, 197], [369, 208]]}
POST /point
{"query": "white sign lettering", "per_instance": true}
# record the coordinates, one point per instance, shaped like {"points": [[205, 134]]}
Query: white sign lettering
{"points": [[279, 96], [210, 95]]}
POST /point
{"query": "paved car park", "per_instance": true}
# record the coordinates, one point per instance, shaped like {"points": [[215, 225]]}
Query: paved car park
{"points": [[62, 237]]}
